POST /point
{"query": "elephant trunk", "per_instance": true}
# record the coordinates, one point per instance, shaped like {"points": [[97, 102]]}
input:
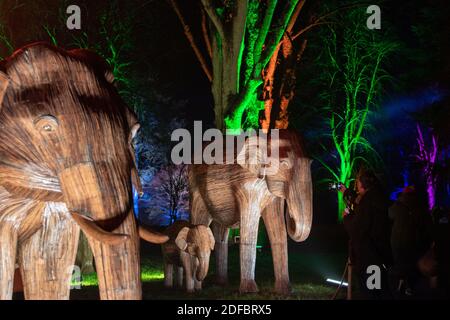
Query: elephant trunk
{"points": [[99, 198], [202, 269], [299, 201]]}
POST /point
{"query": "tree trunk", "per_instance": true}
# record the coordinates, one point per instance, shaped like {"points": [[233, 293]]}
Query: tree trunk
{"points": [[280, 80], [279, 85], [226, 56]]}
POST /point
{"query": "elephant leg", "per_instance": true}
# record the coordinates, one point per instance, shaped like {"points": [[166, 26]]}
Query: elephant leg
{"points": [[168, 275], [8, 245], [247, 246], [221, 252], [276, 229], [19, 218], [117, 266], [180, 272], [188, 271], [197, 284], [196, 266], [47, 257]]}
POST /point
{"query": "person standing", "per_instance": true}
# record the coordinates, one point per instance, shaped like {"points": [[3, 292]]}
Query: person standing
{"points": [[411, 237], [368, 228]]}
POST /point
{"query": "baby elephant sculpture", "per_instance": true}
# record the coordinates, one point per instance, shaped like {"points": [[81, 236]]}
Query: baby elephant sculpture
{"points": [[66, 163], [188, 250]]}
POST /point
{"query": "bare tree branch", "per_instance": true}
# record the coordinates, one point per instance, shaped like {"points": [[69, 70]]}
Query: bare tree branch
{"points": [[308, 28], [190, 37], [295, 16], [320, 20], [264, 30], [211, 11], [205, 33], [278, 31]]}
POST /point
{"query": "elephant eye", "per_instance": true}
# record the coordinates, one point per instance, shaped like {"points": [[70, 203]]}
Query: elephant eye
{"points": [[46, 124]]}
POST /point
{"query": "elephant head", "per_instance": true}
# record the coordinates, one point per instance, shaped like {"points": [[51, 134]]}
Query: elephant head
{"points": [[287, 173], [66, 137], [198, 242]]}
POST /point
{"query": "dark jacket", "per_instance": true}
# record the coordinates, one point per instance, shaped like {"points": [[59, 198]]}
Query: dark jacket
{"points": [[411, 229], [369, 231]]}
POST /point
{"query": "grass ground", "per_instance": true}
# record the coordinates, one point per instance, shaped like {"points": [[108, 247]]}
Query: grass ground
{"points": [[322, 256]]}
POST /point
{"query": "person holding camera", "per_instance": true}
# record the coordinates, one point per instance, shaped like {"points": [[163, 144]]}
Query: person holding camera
{"points": [[367, 224]]}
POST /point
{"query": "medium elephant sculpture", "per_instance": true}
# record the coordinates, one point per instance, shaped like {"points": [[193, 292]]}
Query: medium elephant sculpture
{"points": [[188, 250], [231, 195], [66, 162]]}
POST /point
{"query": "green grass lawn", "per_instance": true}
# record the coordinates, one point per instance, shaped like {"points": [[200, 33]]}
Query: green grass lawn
{"points": [[309, 267]]}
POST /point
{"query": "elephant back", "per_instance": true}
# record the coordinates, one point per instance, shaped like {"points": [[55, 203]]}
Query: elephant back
{"points": [[175, 228]]}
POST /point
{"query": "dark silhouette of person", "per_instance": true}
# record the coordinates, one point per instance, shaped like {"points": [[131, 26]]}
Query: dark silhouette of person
{"points": [[368, 228], [411, 237], [441, 237]]}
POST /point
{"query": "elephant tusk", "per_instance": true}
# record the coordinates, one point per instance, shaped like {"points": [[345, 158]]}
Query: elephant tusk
{"points": [[152, 236], [91, 229]]}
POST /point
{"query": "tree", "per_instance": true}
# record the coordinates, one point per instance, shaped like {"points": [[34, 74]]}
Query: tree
{"points": [[427, 155], [114, 42], [353, 59], [432, 146], [253, 58], [169, 191]]}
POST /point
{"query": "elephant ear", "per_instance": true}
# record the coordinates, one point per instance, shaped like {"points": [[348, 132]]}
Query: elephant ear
{"points": [[181, 240], [4, 82], [253, 156]]}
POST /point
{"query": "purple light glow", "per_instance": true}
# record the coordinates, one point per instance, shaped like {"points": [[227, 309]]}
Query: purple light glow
{"points": [[428, 157]]}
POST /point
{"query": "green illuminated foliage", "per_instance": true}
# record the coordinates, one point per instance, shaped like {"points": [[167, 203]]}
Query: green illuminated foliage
{"points": [[244, 36], [51, 32], [5, 42], [149, 273], [354, 56], [115, 43]]}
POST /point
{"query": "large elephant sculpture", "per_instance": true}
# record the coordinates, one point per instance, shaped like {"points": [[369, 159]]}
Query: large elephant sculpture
{"points": [[66, 162], [238, 194]]}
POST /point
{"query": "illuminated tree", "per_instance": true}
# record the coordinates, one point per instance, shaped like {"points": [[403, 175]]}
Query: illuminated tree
{"points": [[113, 41], [353, 57], [253, 58], [433, 146], [427, 155], [169, 191]]}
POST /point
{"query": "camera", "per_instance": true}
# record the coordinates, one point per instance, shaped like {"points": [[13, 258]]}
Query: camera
{"points": [[335, 186]]}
